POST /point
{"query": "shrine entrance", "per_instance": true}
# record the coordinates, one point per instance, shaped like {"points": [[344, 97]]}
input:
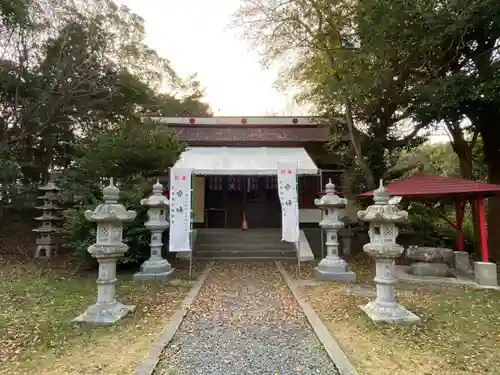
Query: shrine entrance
{"points": [[228, 197], [238, 182]]}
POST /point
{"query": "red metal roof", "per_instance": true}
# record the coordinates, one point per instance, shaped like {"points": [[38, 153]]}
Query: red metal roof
{"points": [[432, 186]]}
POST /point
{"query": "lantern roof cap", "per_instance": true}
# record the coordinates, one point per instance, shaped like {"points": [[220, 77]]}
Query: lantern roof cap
{"points": [[157, 199], [383, 211], [111, 193], [330, 187], [110, 210], [157, 187], [381, 195], [49, 186], [330, 199]]}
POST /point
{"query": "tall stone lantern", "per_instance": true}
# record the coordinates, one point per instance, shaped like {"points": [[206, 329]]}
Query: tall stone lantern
{"points": [[332, 267], [48, 239], [108, 248], [156, 267], [383, 216]]}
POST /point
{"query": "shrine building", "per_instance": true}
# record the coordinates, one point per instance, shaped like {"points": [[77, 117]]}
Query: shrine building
{"points": [[235, 162]]}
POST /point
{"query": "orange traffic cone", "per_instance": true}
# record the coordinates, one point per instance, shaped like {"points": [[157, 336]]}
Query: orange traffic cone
{"points": [[244, 225]]}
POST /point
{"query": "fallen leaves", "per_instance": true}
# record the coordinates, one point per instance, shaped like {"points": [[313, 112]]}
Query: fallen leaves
{"points": [[459, 333], [38, 303]]}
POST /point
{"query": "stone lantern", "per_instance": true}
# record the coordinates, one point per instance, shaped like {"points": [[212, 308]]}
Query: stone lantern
{"points": [[156, 268], [383, 216], [332, 267], [108, 248], [48, 239]]}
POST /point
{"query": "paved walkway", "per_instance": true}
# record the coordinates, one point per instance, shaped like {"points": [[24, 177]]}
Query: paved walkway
{"points": [[245, 321]]}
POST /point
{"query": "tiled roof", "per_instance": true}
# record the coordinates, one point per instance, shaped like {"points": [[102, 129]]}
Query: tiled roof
{"points": [[431, 186]]}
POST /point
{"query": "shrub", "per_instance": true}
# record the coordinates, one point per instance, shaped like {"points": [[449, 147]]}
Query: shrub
{"points": [[131, 154], [437, 232]]}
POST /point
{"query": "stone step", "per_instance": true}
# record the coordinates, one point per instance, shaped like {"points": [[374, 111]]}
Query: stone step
{"points": [[240, 232], [237, 244], [241, 236], [236, 240], [244, 253], [245, 259], [229, 240], [244, 246]]}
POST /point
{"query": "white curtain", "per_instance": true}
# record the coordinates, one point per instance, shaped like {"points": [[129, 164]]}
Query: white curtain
{"points": [[180, 210]]}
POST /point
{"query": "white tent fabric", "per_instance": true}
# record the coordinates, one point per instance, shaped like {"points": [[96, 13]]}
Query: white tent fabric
{"points": [[244, 160]]}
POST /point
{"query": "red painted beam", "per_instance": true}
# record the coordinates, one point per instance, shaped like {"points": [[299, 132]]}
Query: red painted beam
{"points": [[482, 229]]}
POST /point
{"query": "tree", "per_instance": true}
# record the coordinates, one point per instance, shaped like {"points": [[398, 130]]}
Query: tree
{"points": [[70, 73], [131, 153], [344, 77], [440, 159], [452, 47], [91, 69]]}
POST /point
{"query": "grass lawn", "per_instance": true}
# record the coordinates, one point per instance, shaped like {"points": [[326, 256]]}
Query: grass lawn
{"points": [[38, 303], [459, 333]]}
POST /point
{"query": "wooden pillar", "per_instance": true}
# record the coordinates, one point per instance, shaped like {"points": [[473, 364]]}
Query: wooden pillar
{"points": [[482, 229]]}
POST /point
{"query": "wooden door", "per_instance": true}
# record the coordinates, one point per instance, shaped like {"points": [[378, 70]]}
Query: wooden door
{"points": [[263, 208], [223, 202], [227, 197]]}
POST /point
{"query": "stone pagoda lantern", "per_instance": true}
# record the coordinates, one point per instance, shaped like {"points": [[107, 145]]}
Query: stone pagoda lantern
{"points": [[108, 248], [47, 241], [332, 267], [156, 267], [383, 216]]}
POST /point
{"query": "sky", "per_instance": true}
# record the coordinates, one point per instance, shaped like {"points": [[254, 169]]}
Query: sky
{"points": [[194, 36]]}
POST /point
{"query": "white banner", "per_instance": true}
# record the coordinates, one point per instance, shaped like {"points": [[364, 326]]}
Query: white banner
{"points": [[180, 210], [287, 189]]}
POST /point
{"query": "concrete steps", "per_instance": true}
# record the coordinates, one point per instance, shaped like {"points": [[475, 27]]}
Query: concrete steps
{"points": [[236, 244]]}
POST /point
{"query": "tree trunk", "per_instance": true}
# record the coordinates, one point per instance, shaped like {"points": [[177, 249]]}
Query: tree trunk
{"points": [[493, 214], [490, 133], [466, 169], [464, 151], [367, 172]]}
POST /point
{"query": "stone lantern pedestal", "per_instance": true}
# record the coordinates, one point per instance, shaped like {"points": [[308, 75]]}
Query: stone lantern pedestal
{"points": [[332, 267], [108, 248], [156, 267], [383, 232]]}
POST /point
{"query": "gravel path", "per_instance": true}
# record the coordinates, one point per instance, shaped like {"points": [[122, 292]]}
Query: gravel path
{"points": [[245, 321]]}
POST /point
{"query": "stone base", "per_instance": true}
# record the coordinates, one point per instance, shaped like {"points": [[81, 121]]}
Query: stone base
{"points": [[334, 274], [485, 274], [430, 269], [151, 275], [461, 261], [104, 313], [45, 251], [395, 314], [155, 269]]}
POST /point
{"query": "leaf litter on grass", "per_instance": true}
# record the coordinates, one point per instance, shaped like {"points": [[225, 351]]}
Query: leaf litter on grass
{"points": [[37, 305], [459, 332]]}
